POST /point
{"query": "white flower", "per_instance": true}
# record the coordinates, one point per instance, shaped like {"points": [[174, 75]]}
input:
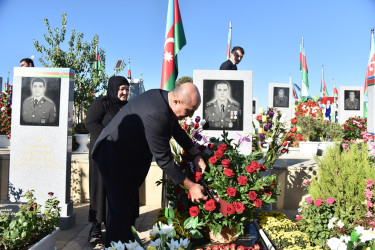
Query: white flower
{"points": [[132, 245], [345, 238], [330, 225], [340, 224], [173, 245], [336, 244], [118, 245], [189, 121], [367, 235], [155, 243], [359, 229], [269, 140], [184, 243], [155, 230], [202, 122], [299, 210], [333, 219], [166, 229]]}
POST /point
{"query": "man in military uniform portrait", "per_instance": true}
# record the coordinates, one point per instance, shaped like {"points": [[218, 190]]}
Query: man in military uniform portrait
{"points": [[351, 102], [281, 97], [38, 109], [221, 112]]}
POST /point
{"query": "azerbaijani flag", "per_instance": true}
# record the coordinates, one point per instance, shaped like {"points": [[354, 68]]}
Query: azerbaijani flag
{"points": [[370, 72], [295, 92], [98, 61], [174, 41], [323, 86], [229, 43], [335, 92], [303, 68], [129, 72]]}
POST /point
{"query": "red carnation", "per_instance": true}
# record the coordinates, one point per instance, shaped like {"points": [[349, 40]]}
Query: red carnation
{"points": [[285, 143], [239, 207], [185, 127], [294, 120], [242, 180], [230, 209], [293, 130], [318, 202], [198, 176], [283, 150], [222, 147], [225, 163], [262, 167], [255, 164], [228, 172], [194, 211], [252, 195], [196, 125], [210, 205], [212, 160], [267, 192], [258, 203], [250, 169], [231, 191], [210, 146], [219, 154]]}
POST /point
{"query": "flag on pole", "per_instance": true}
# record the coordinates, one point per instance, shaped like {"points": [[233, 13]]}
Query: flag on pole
{"points": [[129, 72], [323, 86], [304, 71], [174, 41], [98, 61], [229, 43], [295, 92], [370, 72]]}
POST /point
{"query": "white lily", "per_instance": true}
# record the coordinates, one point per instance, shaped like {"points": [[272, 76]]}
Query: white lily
{"points": [[132, 245], [155, 230], [173, 245], [184, 243], [155, 243], [166, 229]]}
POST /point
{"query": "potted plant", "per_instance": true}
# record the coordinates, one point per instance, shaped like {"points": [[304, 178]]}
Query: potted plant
{"points": [[233, 181], [81, 135], [5, 115], [31, 224]]}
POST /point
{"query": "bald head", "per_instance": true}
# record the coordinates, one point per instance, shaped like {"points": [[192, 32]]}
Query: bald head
{"points": [[184, 100]]}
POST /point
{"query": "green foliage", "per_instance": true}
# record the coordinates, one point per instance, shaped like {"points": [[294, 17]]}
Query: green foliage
{"points": [[29, 224], [353, 128], [343, 175], [80, 129], [80, 56], [332, 131], [184, 79]]}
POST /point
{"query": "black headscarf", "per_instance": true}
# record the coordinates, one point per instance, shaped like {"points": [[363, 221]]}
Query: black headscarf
{"points": [[112, 100]]}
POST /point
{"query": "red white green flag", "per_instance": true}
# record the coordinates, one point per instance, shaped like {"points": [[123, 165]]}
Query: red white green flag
{"points": [[304, 71], [323, 86], [370, 72], [129, 72], [174, 41], [335, 92], [229, 43], [98, 61]]}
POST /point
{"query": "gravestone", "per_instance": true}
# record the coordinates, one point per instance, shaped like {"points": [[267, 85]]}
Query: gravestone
{"points": [[350, 102], [371, 109], [227, 103], [280, 96], [42, 118]]}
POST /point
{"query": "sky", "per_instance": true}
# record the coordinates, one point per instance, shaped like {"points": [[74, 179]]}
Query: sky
{"points": [[336, 34]]}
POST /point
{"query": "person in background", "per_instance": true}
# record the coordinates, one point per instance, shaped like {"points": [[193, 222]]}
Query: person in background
{"points": [[235, 58], [99, 115], [26, 62]]}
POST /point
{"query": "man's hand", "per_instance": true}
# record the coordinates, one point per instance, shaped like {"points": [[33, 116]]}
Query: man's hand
{"points": [[200, 165], [196, 190]]}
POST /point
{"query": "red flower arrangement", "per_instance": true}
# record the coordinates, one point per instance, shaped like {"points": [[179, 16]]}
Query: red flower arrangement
{"points": [[308, 108], [6, 110], [354, 127]]}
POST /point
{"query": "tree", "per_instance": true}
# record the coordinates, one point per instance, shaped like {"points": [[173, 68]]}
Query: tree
{"points": [[80, 56], [184, 79]]}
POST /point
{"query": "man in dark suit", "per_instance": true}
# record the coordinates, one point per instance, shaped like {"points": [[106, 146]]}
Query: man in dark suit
{"points": [[235, 58], [125, 147]]}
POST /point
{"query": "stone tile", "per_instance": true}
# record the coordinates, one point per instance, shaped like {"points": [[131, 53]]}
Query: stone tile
{"points": [[76, 243]]}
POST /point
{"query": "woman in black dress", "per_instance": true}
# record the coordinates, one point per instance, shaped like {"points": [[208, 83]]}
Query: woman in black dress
{"points": [[99, 115]]}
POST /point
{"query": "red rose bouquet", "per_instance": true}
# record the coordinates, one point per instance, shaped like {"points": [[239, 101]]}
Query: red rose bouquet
{"points": [[235, 178], [5, 110]]}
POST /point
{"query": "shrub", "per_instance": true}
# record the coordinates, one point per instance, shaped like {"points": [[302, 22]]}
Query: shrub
{"points": [[353, 128], [343, 175], [6, 110]]}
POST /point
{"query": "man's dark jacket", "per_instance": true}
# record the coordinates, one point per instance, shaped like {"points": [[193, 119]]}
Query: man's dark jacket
{"points": [[124, 152], [228, 65]]}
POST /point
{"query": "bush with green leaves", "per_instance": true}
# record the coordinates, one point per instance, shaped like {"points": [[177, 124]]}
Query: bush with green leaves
{"points": [[30, 224], [342, 174]]}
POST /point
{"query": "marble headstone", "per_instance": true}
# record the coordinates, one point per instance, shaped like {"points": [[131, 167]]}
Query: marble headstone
{"points": [[280, 96], [371, 109], [235, 88], [40, 156], [350, 102]]}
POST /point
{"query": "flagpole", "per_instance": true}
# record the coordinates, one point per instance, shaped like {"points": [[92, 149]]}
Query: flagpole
{"points": [[322, 82], [301, 69]]}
